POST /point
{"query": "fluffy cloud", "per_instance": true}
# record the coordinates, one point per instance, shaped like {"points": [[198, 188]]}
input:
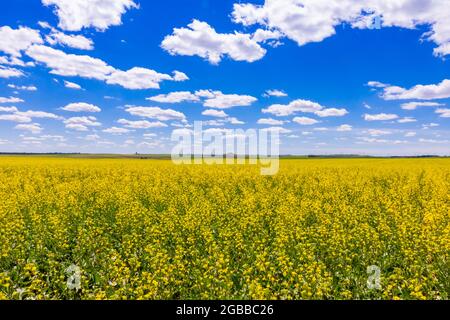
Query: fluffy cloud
{"points": [[72, 85], [295, 106], [77, 14], [33, 128], [142, 124], [81, 123], [262, 35], [274, 93], [306, 21], [73, 41], [215, 113], [279, 130], [8, 109], [406, 120], [139, 78], [377, 132], [331, 112], [15, 118], [200, 39], [13, 41], [10, 72], [211, 99], [306, 106], [10, 100], [85, 66], [443, 112], [64, 64], [219, 100], [116, 130], [419, 92], [270, 121], [179, 76], [377, 84], [380, 117], [81, 107], [155, 113], [38, 114], [175, 97], [344, 127], [410, 134], [305, 121], [14, 61], [25, 88], [415, 105]]}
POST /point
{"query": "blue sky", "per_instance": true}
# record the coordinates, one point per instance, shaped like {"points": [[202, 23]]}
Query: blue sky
{"points": [[114, 76]]}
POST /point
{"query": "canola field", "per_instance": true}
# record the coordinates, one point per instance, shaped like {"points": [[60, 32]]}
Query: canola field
{"points": [[148, 229]]}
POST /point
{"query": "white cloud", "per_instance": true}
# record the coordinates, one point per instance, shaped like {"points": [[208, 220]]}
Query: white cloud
{"points": [[212, 99], [377, 84], [235, 121], [92, 137], [10, 72], [25, 88], [64, 64], [8, 109], [85, 66], [138, 78], [155, 113], [38, 114], [81, 123], [179, 76], [331, 112], [427, 126], [200, 39], [380, 117], [304, 106], [15, 118], [219, 100], [215, 113], [175, 97], [81, 107], [270, 121], [142, 124], [116, 130], [415, 105], [280, 130], [419, 92], [305, 121], [406, 120], [344, 127], [377, 132], [77, 14], [306, 21], [381, 141], [72, 41], [33, 128], [10, 100], [275, 93], [14, 61], [262, 35], [443, 112], [295, 106], [410, 134], [13, 41], [434, 141], [72, 85]]}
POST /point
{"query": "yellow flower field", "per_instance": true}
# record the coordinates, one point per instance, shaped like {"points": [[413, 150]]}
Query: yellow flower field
{"points": [[147, 229]]}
